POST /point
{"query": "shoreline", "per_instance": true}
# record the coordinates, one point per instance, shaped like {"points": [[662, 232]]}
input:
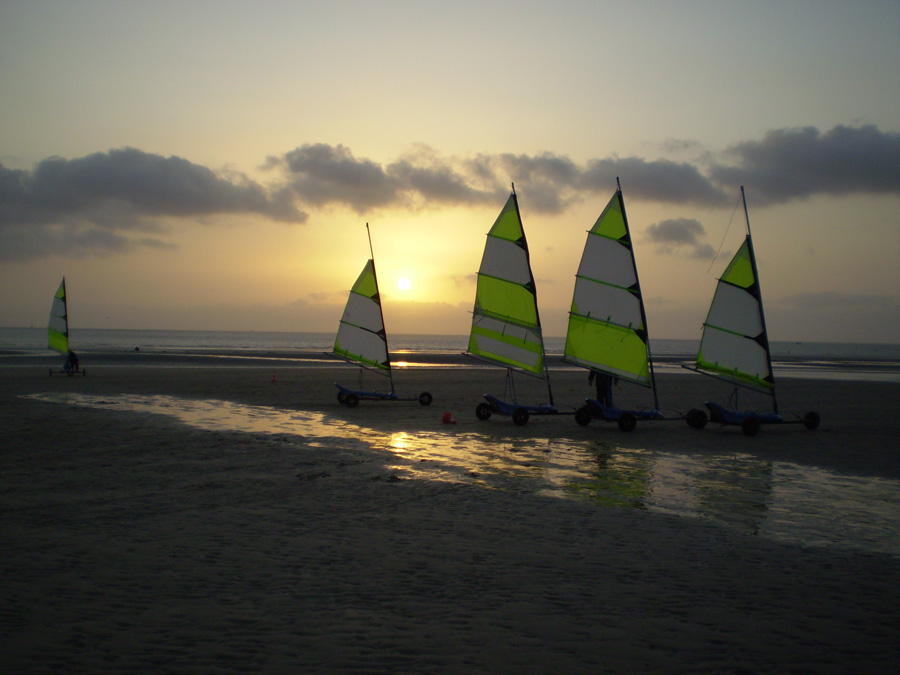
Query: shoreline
{"points": [[787, 366], [855, 414]]}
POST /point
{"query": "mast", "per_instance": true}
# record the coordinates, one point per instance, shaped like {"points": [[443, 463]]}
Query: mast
{"points": [[380, 309], [762, 313], [534, 290], [646, 331]]}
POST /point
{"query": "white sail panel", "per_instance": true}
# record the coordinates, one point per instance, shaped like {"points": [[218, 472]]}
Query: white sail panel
{"points": [[733, 355], [505, 259], [507, 344], [607, 260], [607, 303], [364, 312], [736, 310], [58, 320], [363, 346]]}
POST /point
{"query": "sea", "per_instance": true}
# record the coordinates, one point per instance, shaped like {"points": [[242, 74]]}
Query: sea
{"points": [[800, 504], [832, 360]]}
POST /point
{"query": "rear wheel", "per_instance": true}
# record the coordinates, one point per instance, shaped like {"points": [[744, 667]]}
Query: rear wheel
{"points": [[352, 400], [811, 421], [627, 422], [750, 426], [696, 419], [425, 398], [583, 416], [520, 416], [342, 399], [483, 411]]}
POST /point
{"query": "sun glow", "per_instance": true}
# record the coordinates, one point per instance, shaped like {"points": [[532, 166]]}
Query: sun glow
{"points": [[404, 284]]}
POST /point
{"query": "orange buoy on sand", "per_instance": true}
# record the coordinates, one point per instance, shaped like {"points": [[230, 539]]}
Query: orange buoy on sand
{"points": [[448, 418]]}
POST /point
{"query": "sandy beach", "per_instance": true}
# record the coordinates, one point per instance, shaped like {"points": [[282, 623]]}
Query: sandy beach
{"points": [[134, 542]]}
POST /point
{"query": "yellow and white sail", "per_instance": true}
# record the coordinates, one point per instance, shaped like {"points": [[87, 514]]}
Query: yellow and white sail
{"points": [[734, 344], [506, 326], [361, 337], [607, 328], [58, 328]]}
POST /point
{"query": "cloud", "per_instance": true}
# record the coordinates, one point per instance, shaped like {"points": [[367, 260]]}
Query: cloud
{"points": [[789, 164], [62, 204], [679, 234], [547, 181], [320, 175], [78, 206], [323, 175], [659, 181]]}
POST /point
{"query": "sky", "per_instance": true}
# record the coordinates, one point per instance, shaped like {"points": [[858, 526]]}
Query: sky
{"points": [[212, 165]]}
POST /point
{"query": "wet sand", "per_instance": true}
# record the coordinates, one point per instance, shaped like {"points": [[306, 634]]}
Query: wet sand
{"points": [[134, 543]]}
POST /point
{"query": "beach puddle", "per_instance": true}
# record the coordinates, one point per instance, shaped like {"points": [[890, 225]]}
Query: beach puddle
{"points": [[780, 500]]}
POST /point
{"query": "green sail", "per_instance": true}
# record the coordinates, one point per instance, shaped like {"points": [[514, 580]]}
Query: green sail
{"points": [[607, 325], [58, 327], [506, 327], [361, 336]]}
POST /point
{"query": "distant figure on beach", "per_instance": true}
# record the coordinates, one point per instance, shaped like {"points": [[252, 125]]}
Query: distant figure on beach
{"points": [[604, 386], [71, 364]]}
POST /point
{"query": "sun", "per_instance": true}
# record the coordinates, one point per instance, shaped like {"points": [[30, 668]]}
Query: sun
{"points": [[404, 284]]}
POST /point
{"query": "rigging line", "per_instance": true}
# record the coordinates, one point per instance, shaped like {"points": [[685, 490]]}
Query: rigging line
{"points": [[722, 243]]}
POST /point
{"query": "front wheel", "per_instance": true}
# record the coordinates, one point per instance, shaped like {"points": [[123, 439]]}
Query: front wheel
{"points": [[750, 426], [811, 421], [583, 416], [342, 399], [696, 419], [627, 422], [483, 411], [520, 416], [425, 398]]}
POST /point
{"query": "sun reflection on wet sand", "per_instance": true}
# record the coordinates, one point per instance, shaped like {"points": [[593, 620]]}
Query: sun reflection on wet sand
{"points": [[780, 500]]}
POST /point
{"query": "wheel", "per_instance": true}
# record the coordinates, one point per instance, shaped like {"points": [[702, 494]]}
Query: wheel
{"points": [[520, 416], [811, 421], [583, 416], [341, 398], [483, 411], [627, 422], [696, 419], [352, 400], [425, 398], [750, 426]]}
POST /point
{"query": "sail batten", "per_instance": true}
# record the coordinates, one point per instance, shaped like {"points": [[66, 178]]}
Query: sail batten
{"points": [[506, 326], [607, 328]]}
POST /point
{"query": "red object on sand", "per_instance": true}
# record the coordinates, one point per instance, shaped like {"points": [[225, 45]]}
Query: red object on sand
{"points": [[448, 418]]}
